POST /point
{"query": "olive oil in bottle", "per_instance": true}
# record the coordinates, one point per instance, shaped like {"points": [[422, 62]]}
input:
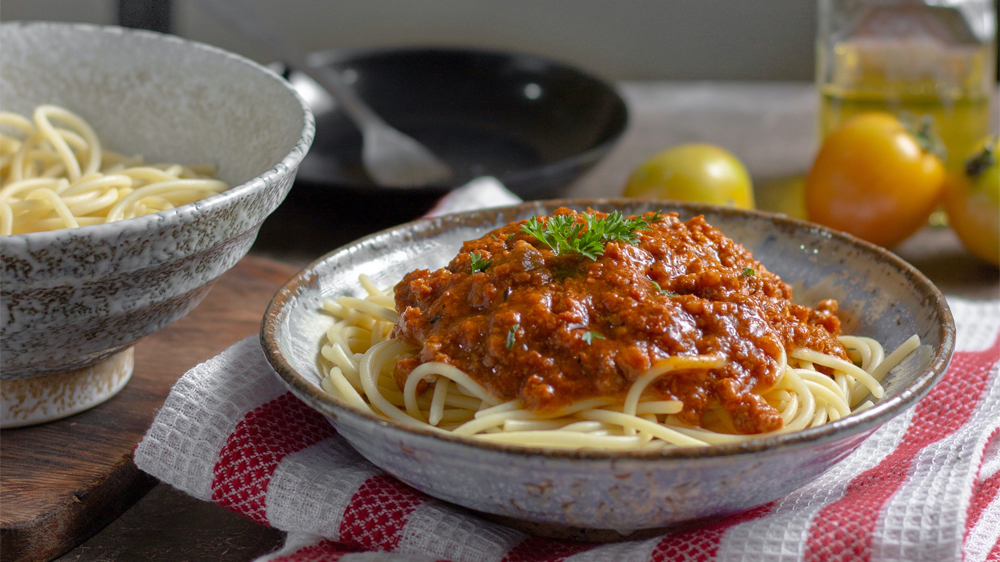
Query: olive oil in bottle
{"points": [[909, 57]]}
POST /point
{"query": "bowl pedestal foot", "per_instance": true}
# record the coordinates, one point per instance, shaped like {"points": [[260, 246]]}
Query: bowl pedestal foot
{"points": [[42, 399]]}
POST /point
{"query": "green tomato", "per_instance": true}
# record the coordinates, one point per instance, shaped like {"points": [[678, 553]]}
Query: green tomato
{"points": [[972, 200], [702, 173]]}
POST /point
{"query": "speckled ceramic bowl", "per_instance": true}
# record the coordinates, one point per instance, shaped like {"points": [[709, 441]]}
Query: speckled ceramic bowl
{"points": [[880, 296], [71, 298]]}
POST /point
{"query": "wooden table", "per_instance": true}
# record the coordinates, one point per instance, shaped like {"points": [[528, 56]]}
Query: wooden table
{"points": [[770, 126]]}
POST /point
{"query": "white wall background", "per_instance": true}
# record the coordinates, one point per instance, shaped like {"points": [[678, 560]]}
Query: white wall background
{"points": [[617, 39]]}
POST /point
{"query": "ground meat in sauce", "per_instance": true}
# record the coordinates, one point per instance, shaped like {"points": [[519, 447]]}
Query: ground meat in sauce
{"points": [[709, 296]]}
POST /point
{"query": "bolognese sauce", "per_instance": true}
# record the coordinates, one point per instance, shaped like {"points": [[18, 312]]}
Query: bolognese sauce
{"points": [[555, 328]]}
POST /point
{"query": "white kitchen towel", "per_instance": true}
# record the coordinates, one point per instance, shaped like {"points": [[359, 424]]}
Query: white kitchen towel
{"points": [[925, 486]]}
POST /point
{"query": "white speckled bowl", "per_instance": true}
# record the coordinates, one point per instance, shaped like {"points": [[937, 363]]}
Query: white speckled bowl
{"points": [[71, 298], [880, 295]]}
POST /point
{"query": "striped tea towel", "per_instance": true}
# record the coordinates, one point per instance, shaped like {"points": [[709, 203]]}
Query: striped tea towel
{"points": [[925, 486]]}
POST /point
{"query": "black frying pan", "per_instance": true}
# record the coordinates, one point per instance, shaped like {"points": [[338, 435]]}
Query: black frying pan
{"points": [[533, 123]]}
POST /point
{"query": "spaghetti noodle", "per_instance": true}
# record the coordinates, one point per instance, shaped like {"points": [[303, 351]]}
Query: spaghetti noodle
{"points": [[57, 175], [690, 398]]}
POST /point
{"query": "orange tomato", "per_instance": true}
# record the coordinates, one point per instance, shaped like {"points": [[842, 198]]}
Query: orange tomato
{"points": [[873, 179]]}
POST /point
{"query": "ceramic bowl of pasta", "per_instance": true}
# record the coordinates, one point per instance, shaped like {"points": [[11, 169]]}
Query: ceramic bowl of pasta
{"points": [[135, 168], [608, 364]]}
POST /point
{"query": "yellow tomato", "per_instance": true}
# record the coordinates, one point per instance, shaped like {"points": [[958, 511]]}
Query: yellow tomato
{"points": [[972, 200], [693, 172], [874, 179]]}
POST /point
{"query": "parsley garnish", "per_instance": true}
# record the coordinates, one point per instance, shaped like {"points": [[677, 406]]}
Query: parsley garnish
{"points": [[478, 263], [563, 234], [748, 272], [511, 335], [662, 290], [589, 337]]}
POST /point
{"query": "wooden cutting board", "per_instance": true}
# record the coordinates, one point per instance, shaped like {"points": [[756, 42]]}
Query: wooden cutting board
{"points": [[63, 481]]}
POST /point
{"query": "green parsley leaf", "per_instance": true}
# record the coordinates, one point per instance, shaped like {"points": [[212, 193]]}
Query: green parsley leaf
{"points": [[511, 335], [662, 290], [564, 235], [589, 337], [478, 263], [555, 233], [616, 228], [748, 272]]}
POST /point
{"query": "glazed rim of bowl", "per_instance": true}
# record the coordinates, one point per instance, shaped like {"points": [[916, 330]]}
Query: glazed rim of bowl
{"points": [[183, 213], [850, 425]]}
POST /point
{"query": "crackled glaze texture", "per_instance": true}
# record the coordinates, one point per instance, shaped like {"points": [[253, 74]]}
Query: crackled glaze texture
{"points": [[70, 298], [880, 296]]}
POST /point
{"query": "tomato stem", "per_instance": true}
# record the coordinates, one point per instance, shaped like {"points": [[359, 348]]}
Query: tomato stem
{"points": [[925, 134], [980, 161]]}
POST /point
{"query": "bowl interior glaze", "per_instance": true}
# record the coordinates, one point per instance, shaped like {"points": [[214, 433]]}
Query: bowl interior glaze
{"points": [[880, 295]]}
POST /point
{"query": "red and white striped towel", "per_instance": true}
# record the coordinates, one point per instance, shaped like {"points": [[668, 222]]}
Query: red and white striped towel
{"points": [[925, 486]]}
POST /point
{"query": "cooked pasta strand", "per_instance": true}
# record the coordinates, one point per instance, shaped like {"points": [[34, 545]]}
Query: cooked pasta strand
{"points": [[803, 396], [86, 185]]}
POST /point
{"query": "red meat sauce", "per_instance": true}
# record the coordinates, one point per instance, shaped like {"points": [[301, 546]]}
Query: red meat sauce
{"points": [[709, 297]]}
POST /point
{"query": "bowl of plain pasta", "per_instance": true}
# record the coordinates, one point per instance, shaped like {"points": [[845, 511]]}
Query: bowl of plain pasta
{"points": [[608, 364], [135, 168]]}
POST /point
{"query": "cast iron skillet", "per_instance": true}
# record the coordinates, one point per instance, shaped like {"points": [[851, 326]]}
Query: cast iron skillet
{"points": [[533, 123]]}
